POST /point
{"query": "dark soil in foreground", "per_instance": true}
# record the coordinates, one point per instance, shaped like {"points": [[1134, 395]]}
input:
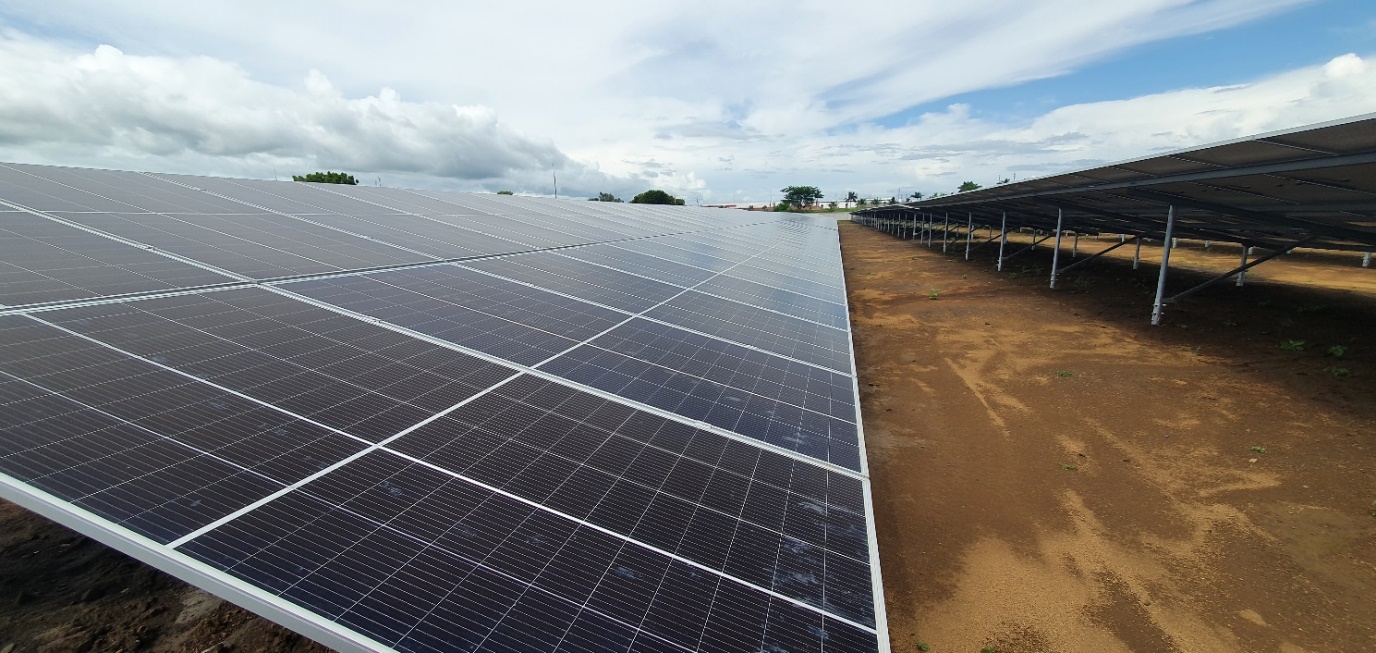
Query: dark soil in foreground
{"points": [[1051, 473]]}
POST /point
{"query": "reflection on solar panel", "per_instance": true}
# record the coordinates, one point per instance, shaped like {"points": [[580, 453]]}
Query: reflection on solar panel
{"points": [[403, 420]]}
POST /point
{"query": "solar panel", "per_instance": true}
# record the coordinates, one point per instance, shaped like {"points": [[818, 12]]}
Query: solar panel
{"points": [[648, 439]]}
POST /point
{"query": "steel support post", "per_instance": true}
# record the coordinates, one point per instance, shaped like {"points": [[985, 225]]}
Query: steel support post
{"points": [[1165, 266], [1242, 272], [969, 232], [1075, 247], [1137, 255], [1003, 239], [913, 233], [1056, 253], [1366, 260], [945, 233]]}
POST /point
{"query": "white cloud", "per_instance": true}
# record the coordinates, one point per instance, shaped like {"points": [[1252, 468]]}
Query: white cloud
{"points": [[107, 107], [618, 95]]}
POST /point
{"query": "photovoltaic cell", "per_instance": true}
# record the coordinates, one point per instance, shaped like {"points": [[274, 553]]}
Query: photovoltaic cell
{"points": [[46, 261], [824, 292], [119, 192], [682, 490], [641, 264], [463, 568], [357, 377], [582, 280], [791, 427], [776, 299], [684, 481], [153, 451], [257, 245], [521, 324], [754, 371], [653, 247], [781, 334]]}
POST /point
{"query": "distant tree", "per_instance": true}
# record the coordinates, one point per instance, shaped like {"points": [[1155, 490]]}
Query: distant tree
{"points": [[831, 205], [893, 200], [505, 192], [801, 195], [656, 197], [968, 185], [1002, 181], [782, 206], [851, 197], [604, 197], [917, 195], [327, 178], [859, 202]]}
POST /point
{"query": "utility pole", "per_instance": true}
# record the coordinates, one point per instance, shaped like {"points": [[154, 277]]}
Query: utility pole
{"points": [[556, 183]]}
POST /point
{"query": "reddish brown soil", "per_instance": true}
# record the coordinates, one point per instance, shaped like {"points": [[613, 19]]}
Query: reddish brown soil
{"points": [[1027, 495], [61, 592], [1051, 473]]}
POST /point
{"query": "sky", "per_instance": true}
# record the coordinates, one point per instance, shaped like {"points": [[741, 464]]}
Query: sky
{"points": [[716, 102]]}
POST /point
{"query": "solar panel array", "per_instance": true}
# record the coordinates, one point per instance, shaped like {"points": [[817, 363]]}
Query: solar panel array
{"points": [[430, 421]]}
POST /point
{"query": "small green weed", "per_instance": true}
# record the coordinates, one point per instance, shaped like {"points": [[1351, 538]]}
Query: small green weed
{"points": [[933, 293], [1069, 468], [1340, 372], [1292, 345], [1230, 323], [1065, 374], [1310, 309], [989, 649], [923, 646], [1258, 448], [1337, 351]]}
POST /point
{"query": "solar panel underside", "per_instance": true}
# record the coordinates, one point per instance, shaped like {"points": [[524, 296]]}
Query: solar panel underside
{"points": [[431, 421]]}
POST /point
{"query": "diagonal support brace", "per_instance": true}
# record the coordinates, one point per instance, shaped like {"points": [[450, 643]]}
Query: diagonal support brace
{"points": [[1237, 270], [1087, 259]]}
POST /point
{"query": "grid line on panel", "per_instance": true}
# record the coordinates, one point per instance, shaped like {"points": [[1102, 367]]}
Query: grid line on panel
{"points": [[770, 310], [146, 514], [565, 382], [425, 546], [614, 440], [771, 332], [288, 215], [431, 218], [127, 241], [44, 261], [310, 382], [526, 246], [625, 538], [186, 568], [725, 272], [562, 382], [371, 448], [829, 447], [197, 379], [709, 374], [646, 317]]}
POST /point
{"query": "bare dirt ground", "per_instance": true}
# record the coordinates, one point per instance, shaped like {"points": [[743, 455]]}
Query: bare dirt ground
{"points": [[61, 592], [1051, 473]]}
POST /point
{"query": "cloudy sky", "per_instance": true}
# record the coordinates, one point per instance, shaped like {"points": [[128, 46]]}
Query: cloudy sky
{"points": [[713, 101]]}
